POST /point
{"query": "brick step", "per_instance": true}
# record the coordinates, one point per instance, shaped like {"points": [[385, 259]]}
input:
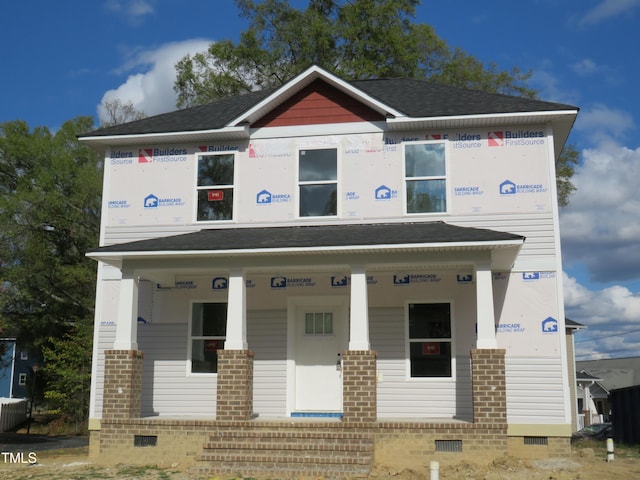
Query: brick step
{"points": [[284, 471], [293, 451], [288, 444], [278, 457]]}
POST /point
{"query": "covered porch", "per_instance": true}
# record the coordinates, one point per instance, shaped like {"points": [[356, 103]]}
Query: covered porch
{"points": [[340, 297]]}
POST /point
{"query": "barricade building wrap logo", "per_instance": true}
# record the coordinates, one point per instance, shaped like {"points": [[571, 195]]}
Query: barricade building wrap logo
{"points": [[264, 197], [549, 325], [416, 278], [118, 204], [152, 201], [515, 138], [162, 155], [385, 193], [510, 188], [291, 282], [219, 283]]}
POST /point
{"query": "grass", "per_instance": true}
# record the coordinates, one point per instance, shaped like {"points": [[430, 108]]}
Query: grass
{"points": [[600, 449]]}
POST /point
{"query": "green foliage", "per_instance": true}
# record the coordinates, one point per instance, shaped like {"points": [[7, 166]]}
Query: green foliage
{"points": [[355, 39], [50, 199], [565, 166], [68, 374]]}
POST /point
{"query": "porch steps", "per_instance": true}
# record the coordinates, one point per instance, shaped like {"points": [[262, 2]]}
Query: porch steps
{"points": [[286, 451]]}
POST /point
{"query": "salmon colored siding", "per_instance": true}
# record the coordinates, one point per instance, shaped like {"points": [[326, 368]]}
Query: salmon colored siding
{"points": [[316, 104]]}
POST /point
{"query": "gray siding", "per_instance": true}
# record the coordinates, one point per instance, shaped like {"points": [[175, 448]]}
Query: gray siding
{"points": [[267, 337], [402, 397], [534, 390], [167, 389]]}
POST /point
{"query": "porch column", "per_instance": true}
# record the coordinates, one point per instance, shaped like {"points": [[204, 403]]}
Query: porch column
{"points": [[234, 399], [127, 321], [236, 312], [359, 388], [359, 317], [122, 388], [489, 386], [486, 316]]}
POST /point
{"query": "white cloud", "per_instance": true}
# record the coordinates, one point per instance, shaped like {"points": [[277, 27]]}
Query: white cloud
{"points": [[134, 10], [603, 123], [599, 228], [585, 66], [151, 90], [612, 317], [608, 9]]}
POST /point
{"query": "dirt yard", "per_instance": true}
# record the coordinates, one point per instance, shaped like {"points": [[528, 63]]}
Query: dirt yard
{"points": [[587, 463]]}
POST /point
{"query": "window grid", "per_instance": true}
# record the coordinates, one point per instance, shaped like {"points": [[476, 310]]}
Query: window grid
{"points": [[215, 187]]}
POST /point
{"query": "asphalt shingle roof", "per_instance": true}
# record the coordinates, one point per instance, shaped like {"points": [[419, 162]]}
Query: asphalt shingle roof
{"points": [[310, 236], [414, 97]]}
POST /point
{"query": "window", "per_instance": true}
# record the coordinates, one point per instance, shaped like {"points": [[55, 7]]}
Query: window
{"points": [[425, 177], [215, 187], [430, 339], [22, 379], [318, 181], [318, 323], [24, 355], [208, 333]]}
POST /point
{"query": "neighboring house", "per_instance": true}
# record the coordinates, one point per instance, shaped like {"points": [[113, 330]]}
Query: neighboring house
{"points": [[577, 417], [7, 366], [351, 269], [15, 369], [593, 399]]}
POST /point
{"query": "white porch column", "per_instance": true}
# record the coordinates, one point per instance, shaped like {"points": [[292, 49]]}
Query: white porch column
{"points": [[359, 318], [236, 312], [486, 316], [127, 321]]}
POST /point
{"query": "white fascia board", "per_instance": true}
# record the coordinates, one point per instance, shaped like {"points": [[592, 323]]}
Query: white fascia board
{"points": [[109, 257], [145, 138], [482, 117], [302, 80]]}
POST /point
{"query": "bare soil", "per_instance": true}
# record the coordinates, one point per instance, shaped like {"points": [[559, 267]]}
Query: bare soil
{"points": [[587, 462]]}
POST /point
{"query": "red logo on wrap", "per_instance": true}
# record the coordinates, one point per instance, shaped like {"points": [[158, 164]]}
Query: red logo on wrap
{"points": [[434, 136], [496, 139], [145, 155], [202, 148]]}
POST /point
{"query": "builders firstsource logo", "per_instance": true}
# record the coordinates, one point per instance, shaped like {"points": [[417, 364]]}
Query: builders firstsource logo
{"points": [[515, 138], [162, 155]]}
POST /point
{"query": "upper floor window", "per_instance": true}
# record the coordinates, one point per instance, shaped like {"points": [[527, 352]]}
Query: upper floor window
{"points": [[430, 339], [215, 187], [208, 333], [318, 182], [425, 177]]}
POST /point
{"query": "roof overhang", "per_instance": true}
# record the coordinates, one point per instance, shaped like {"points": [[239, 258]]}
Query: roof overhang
{"points": [[313, 247]]}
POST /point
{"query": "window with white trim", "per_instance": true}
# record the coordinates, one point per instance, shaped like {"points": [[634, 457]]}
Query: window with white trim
{"points": [[207, 335], [22, 379], [425, 177], [318, 182], [318, 323], [430, 339], [214, 188]]}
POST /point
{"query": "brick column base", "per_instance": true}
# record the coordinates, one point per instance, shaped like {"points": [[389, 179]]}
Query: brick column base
{"points": [[359, 386], [489, 386], [122, 384], [235, 385]]}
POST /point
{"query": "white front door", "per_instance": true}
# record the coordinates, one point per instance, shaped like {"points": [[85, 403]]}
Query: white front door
{"points": [[320, 339]]}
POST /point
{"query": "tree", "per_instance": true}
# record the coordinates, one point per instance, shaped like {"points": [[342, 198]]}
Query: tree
{"points": [[50, 199], [355, 39], [118, 112]]}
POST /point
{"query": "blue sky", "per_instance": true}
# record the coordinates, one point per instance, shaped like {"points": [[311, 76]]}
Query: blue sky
{"points": [[63, 59]]}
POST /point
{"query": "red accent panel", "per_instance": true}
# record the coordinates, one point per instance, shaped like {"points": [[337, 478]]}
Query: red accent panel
{"points": [[318, 103]]}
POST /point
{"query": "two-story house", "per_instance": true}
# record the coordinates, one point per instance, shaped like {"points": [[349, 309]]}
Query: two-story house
{"points": [[331, 273]]}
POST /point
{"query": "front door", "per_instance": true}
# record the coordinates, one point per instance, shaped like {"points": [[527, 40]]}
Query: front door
{"points": [[320, 340]]}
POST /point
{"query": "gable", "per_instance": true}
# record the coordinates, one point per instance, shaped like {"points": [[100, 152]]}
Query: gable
{"points": [[318, 103]]}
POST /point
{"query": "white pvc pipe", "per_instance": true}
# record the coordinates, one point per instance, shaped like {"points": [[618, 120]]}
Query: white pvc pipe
{"points": [[435, 470], [610, 455]]}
